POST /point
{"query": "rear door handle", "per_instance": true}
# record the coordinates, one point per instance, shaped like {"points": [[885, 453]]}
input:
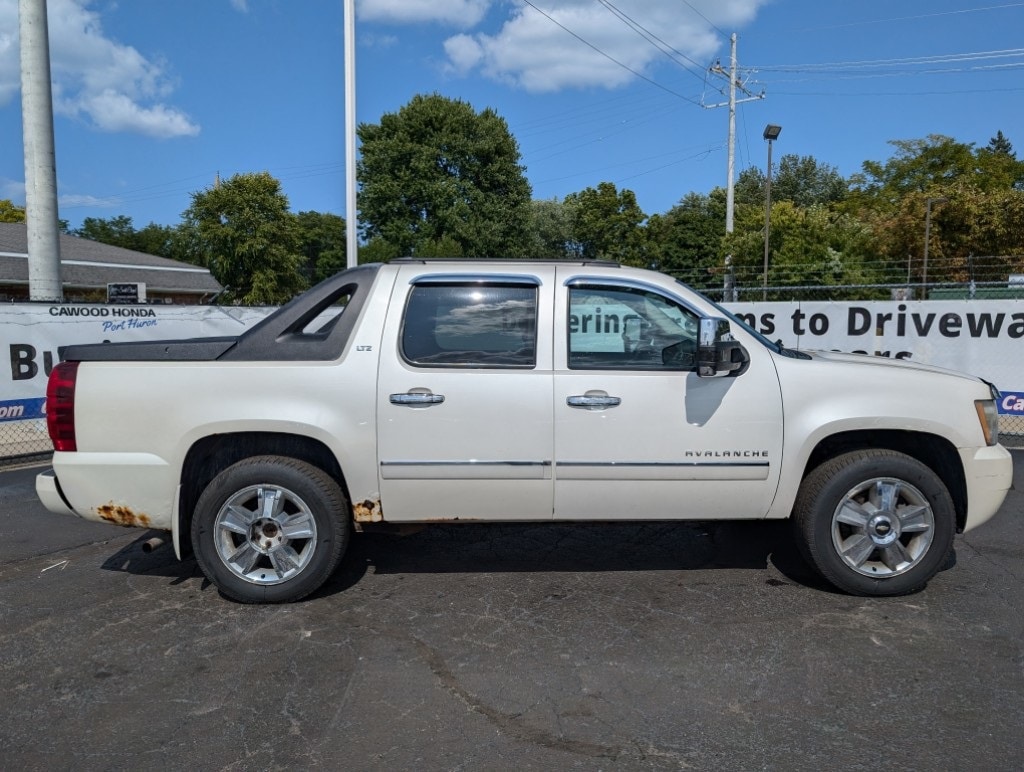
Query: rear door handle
{"points": [[416, 398], [590, 401]]}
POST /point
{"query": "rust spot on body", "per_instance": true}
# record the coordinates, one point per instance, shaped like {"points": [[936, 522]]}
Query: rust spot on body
{"points": [[368, 511], [122, 515]]}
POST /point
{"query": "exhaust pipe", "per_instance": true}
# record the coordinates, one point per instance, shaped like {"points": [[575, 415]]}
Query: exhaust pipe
{"points": [[152, 544]]}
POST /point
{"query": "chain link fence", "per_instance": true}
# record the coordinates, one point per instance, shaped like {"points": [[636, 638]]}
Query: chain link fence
{"points": [[23, 440]]}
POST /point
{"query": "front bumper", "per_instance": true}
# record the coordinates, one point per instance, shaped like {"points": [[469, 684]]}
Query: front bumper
{"points": [[989, 474]]}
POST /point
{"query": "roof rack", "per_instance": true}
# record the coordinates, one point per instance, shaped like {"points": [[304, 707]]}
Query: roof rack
{"points": [[498, 260]]}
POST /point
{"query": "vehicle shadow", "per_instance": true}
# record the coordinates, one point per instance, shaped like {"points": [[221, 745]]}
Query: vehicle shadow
{"points": [[136, 559], [570, 547], [521, 547]]}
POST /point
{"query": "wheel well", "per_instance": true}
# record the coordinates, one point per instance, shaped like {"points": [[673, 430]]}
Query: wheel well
{"points": [[209, 456], [935, 452]]}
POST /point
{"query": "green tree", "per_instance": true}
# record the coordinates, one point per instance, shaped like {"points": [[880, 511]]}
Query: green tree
{"points": [[686, 241], [802, 180], [918, 166], [378, 251], [116, 231], [966, 221], [807, 245], [243, 232], [976, 206], [11, 213], [162, 240], [321, 242], [998, 162], [438, 173], [607, 225], [550, 230]]}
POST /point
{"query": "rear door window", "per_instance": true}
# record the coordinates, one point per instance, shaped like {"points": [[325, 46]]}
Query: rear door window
{"points": [[471, 324]]}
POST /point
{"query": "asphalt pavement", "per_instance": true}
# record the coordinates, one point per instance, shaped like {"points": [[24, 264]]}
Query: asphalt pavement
{"points": [[525, 647]]}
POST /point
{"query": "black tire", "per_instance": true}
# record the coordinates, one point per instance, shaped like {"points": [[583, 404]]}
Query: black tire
{"points": [[270, 529], [875, 522]]}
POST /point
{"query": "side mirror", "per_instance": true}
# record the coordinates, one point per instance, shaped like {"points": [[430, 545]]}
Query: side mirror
{"points": [[717, 352]]}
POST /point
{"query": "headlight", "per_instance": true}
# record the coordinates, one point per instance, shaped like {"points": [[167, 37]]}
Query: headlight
{"points": [[989, 417]]}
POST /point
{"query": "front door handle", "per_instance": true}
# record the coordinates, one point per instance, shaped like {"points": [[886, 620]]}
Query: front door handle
{"points": [[416, 398], [592, 401]]}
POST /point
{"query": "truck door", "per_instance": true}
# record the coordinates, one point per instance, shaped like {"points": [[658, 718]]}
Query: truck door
{"points": [[464, 397], [637, 434]]}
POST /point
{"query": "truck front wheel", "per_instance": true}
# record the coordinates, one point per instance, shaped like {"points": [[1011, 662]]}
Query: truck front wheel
{"points": [[875, 522], [270, 529]]}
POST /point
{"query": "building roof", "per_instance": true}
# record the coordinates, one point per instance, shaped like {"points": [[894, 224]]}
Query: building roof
{"points": [[88, 264]]}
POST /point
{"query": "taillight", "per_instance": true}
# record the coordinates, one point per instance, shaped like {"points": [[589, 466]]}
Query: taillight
{"points": [[60, 406]]}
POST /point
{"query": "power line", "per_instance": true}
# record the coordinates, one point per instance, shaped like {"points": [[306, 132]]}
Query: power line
{"points": [[909, 18], [660, 45], [705, 18], [700, 154], [609, 56], [911, 60], [577, 143], [846, 94]]}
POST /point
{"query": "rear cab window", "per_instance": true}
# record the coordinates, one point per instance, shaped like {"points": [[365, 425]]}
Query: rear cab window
{"points": [[471, 322]]}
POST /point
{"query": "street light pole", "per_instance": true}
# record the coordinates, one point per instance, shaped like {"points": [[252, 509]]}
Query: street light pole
{"points": [[351, 209], [927, 237], [771, 132]]}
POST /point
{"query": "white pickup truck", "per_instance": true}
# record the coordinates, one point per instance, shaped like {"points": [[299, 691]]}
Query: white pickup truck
{"points": [[471, 391]]}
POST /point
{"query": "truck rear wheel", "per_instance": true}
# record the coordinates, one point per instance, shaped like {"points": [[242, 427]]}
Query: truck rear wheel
{"points": [[270, 529], [875, 522]]}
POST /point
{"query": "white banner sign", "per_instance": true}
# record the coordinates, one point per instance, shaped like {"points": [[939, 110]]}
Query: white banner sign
{"points": [[32, 336], [981, 337]]}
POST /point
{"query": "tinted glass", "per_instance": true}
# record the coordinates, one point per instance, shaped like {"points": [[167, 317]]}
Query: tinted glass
{"points": [[629, 329], [471, 325]]}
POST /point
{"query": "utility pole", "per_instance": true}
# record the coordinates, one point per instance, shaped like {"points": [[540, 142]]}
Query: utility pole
{"points": [[927, 238], [351, 216], [730, 188], [42, 228]]}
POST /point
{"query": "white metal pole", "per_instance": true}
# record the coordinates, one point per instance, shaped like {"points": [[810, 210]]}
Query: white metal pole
{"points": [[43, 231], [351, 211]]}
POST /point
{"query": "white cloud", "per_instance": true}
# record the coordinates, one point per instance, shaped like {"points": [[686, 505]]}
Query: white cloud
{"points": [[110, 85], [533, 52], [242, 6], [12, 190], [456, 13], [114, 112], [378, 41], [72, 199], [464, 53]]}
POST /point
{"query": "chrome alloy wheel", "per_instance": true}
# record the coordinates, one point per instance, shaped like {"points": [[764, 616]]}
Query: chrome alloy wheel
{"points": [[883, 527], [265, 534]]}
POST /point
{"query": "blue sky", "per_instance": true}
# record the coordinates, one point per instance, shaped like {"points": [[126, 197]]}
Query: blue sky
{"points": [[153, 99]]}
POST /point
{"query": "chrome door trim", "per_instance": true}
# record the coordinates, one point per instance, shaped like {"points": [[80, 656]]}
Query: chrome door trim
{"points": [[662, 470], [465, 470]]}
